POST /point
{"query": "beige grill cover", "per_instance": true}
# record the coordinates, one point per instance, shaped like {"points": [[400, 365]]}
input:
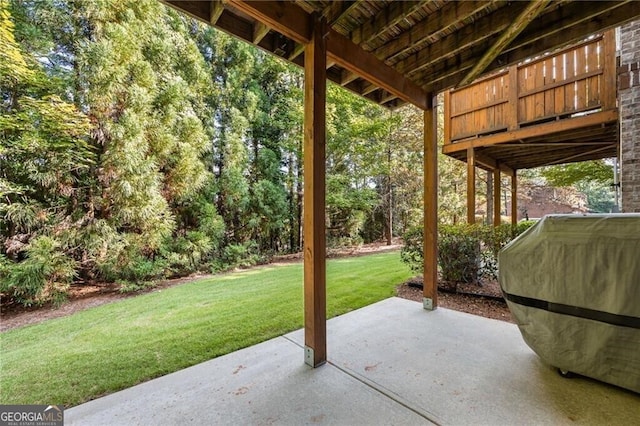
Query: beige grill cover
{"points": [[572, 283]]}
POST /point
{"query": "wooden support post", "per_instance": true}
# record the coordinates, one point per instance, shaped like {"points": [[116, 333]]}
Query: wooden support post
{"points": [[497, 190], [471, 186], [489, 217], [512, 106], [430, 242], [608, 91], [447, 117], [315, 81], [514, 198]]}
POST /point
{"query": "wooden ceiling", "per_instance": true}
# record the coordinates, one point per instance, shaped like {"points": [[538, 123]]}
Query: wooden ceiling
{"points": [[394, 52]]}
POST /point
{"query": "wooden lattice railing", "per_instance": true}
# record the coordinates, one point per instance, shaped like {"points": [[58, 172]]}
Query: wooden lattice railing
{"points": [[575, 80]]}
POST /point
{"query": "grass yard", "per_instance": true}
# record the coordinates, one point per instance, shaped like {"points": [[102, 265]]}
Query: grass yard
{"points": [[77, 358]]}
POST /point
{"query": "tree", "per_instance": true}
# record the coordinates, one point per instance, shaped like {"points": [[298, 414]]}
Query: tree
{"points": [[149, 85], [138, 76], [357, 161], [270, 138], [43, 150], [598, 171]]}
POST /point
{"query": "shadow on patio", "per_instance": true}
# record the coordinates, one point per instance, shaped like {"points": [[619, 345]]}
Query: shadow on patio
{"points": [[389, 363]]}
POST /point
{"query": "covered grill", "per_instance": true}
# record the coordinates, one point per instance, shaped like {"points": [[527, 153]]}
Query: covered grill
{"points": [[572, 283]]}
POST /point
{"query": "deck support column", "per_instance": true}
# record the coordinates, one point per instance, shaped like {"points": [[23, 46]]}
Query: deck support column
{"points": [[430, 242], [514, 198], [471, 186], [315, 315], [497, 190]]}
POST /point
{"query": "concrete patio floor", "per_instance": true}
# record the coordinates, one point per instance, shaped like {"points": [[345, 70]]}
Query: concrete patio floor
{"points": [[391, 363]]}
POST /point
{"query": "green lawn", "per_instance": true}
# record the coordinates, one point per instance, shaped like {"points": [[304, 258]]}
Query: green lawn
{"points": [[101, 350]]}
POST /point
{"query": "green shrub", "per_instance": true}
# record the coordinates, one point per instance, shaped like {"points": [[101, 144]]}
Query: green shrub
{"points": [[459, 253], [45, 275], [132, 268], [523, 226], [412, 251], [238, 256], [493, 240], [465, 252], [185, 253]]}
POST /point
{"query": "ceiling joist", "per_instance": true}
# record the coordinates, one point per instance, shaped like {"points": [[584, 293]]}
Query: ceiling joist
{"points": [[395, 13], [451, 14], [562, 26], [528, 15], [296, 24], [260, 30], [464, 39], [337, 10], [215, 10], [410, 48]]}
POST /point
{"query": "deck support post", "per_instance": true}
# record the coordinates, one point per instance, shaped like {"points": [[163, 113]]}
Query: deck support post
{"points": [[471, 186], [430, 242], [514, 199], [497, 190], [315, 315]]}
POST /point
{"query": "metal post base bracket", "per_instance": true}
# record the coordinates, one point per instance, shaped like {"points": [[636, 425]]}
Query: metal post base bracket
{"points": [[309, 357], [427, 304]]}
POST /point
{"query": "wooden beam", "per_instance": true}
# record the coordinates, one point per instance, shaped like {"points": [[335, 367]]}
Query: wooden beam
{"points": [[369, 88], [490, 164], [215, 10], [561, 26], [483, 160], [497, 192], [284, 17], [553, 144], [507, 170], [293, 22], [582, 154], [350, 56], [471, 187], [444, 72], [512, 106], [478, 34], [565, 25], [430, 242], [596, 118], [529, 14], [297, 51], [348, 77], [260, 30], [388, 98], [395, 13], [447, 117], [315, 311], [337, 10], [514, 198], [609, 90], [449, 15], [196, 9]]}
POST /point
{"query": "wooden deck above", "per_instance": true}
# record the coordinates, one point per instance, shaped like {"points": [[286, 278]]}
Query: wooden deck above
{"points": [[558, 108]]}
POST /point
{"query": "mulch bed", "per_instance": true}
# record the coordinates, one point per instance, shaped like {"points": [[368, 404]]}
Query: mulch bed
{"points": [[484, 300]]}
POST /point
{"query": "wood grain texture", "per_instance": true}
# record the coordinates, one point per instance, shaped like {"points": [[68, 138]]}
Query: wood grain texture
{"points": [[315, 299], [430, 170]]}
